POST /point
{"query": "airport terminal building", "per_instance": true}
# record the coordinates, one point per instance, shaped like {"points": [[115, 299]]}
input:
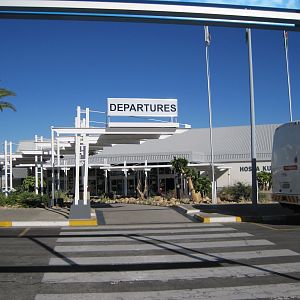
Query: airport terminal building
{"points": [[118, 169]]}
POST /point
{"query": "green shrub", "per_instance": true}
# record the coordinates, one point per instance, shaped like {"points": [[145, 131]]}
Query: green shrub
{"points": [[22, 199], [237, 192], [27, 199], [28, 184]]}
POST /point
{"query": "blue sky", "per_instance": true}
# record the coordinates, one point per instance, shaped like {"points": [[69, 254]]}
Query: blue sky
{"points": [[53, 66]]}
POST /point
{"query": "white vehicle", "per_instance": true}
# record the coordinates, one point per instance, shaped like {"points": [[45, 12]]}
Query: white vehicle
{"points": [[286, 164]]}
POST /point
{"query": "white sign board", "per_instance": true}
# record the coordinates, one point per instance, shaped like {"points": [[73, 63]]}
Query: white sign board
{"points": [[139, 107]]}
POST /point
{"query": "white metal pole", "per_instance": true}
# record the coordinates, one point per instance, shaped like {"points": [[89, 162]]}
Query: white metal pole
{"points": [[125, 180], [77, 157], [105, 181], [67, 183], [207, 44], [86, 158], [58, 166], [5, 168], [86, 169], [65, 177], [42, 175], [252, 119], [10, 167], [77, 166], [78, 119], [146, 176], [87, 117], [52, 166], [285, 36], [36, 175]]}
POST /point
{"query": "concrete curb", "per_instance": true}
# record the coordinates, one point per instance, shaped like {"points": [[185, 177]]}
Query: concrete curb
{"points": [[70, 222], [214, 217], [218, 219], [187, 210], [205, 217], [88, 222]]}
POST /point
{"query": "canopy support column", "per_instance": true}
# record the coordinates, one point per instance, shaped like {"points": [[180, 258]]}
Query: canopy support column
{"points": [[81, 208], [52, 167]]}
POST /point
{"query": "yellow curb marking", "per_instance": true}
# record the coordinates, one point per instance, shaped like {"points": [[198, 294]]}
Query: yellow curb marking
{"points": [[203, 219], [5, 223], [206, 220], [89, 222]]}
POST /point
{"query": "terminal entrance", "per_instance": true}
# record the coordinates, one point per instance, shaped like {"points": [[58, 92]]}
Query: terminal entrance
{"points": [[82, 139]]}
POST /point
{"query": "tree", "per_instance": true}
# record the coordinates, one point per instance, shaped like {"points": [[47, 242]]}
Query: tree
{"points": [[203, 185], [4, 104], [181, 168], [28, 184], [180, 165], [142, 193], [264, 180]]}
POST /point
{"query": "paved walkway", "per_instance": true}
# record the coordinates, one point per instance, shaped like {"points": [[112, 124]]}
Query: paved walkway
{"points": [[33, 214], [124, 214], [110, 214]]}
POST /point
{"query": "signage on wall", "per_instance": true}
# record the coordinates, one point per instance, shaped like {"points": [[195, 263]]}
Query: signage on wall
{"points": [[258, 169], [141, 107]]}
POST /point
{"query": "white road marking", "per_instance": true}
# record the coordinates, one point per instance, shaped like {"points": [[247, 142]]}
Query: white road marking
{"points": [[171, 274], [192, 257], [161, 246], [39, 223], [138, 231], [155, 237], [148, 226], [225, 293]]}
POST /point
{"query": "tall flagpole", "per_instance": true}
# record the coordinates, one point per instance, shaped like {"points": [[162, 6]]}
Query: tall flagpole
{"points": [[207, 44], [285, 36], [252, 118]]}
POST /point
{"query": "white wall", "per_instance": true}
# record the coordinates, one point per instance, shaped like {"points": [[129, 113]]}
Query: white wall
{"points": [[241, 172]]}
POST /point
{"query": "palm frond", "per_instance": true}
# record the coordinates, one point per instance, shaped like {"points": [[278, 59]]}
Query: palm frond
{"points": [[5, 92], [4, 105]]}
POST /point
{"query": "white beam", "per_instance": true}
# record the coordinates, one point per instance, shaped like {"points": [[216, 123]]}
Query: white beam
{"points": [[183, 10]]}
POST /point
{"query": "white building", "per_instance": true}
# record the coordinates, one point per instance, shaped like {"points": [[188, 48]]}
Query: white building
{"points": [[231, 157]]}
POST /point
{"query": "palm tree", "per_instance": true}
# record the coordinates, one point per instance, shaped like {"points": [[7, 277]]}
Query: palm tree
{"points": [[181, 168], [4, 104]]}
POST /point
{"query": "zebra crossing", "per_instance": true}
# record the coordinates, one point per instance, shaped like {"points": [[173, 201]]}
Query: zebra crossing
{"points": [[169, 261]]}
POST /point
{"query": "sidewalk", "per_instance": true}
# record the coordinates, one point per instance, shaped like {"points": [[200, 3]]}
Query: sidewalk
{"points": [[130, 214], [39, 217], [18, 217], [271, 213], [261, 213]]}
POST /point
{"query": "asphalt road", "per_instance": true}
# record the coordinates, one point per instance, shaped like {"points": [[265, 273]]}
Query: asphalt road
{"points": [[168, 260]]}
